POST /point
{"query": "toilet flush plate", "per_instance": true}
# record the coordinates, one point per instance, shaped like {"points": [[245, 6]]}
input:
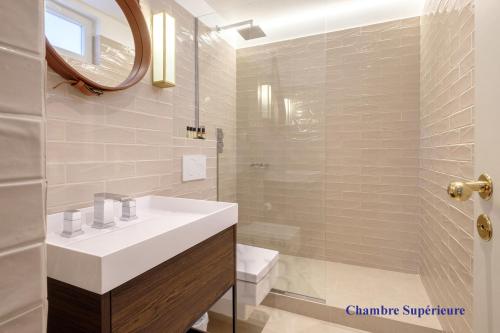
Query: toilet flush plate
{"points": [[194, 167]]}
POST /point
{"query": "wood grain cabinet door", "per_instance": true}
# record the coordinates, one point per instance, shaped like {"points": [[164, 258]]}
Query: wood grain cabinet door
{"points": [[172, 296], [75, 310]]}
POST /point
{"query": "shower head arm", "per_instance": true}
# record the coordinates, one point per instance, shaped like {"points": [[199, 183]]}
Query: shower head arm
{"points": [[235, 25]]}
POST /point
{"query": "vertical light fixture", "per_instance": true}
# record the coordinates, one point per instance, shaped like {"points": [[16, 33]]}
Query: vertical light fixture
{"points": [[265, 100], [163, 50], [289, 111]]}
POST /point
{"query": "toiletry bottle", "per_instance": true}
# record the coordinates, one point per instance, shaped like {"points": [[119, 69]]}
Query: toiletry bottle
{"points": [[203, 133], [188, 132], [198, 132]]}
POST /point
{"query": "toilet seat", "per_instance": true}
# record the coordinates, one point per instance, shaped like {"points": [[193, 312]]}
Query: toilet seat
{"points": [[254, 263]]}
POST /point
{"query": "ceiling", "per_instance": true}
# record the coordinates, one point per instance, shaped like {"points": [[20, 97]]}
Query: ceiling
{"points": [[287, 19], [110, 8], [239, 10]]}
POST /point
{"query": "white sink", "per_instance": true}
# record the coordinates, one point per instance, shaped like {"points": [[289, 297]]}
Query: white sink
{"points": [[100, 260]]}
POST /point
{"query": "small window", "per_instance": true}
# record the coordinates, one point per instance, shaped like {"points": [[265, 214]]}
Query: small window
{"points": [[69, 31], [65, 34]]}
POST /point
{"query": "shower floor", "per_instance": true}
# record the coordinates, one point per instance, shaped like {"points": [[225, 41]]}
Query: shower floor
{"points": [[338, 285]]}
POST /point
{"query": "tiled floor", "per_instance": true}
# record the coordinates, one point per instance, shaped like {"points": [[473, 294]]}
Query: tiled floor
{"points": [[268, 320], [340, 285]]}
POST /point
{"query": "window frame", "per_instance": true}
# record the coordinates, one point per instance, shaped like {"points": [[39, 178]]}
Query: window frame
{"points": [[88, 30]]}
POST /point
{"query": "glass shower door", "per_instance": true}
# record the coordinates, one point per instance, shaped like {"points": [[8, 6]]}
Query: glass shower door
{"points": [[281, 159]]}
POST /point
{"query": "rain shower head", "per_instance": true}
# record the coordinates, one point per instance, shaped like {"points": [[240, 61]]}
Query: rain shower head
{"points": [[252, 32]]}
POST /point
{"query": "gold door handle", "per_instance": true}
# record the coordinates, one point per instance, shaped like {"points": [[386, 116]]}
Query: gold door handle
{"points": [[463, 191]]}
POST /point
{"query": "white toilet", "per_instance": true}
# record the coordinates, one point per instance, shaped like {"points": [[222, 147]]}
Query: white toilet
{"points": [[257, 270]]}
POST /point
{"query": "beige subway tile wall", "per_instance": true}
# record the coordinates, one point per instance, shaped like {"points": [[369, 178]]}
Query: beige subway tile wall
{"points": [[446, 153], [372, 137], [338, 139], [218, 104], [22, 183], [132, 142]]}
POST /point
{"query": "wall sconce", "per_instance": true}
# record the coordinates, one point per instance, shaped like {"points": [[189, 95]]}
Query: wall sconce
{"points": [[163, 50], [265, 100]]}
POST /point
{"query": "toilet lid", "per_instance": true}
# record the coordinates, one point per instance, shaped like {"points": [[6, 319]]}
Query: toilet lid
{"points": [[254, 263]]}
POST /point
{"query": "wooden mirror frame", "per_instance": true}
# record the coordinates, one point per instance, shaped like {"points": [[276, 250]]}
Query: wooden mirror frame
{"points": [[142, 41]]}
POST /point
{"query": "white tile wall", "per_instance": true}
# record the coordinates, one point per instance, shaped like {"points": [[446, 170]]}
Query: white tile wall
{"points": [[23, 279], [22, 183], [22, 215], [21, 147], [446, 154], [21, 94], [22, 27]]}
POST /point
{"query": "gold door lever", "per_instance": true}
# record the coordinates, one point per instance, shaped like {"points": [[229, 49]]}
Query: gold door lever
{"points": [[463, 191]]}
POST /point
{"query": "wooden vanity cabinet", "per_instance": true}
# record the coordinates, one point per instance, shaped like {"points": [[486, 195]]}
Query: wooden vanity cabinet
{"points": [[168, 298]]}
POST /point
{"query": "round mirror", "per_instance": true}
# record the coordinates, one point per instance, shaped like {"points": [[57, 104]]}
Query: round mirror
{"points": [[98, 45]]}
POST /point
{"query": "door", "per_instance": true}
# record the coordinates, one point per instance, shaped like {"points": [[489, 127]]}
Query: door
{"points": [[487, 159]]}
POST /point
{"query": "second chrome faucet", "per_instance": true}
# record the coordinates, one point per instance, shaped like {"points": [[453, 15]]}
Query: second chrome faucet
{"points": [[104, 209]]}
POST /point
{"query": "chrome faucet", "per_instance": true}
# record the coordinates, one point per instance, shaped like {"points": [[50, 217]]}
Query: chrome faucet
{"points": [[104, 212]]}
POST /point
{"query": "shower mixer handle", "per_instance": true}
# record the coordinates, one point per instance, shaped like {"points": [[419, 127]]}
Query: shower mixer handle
{"points": [[259, 165], [461, 191]]}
